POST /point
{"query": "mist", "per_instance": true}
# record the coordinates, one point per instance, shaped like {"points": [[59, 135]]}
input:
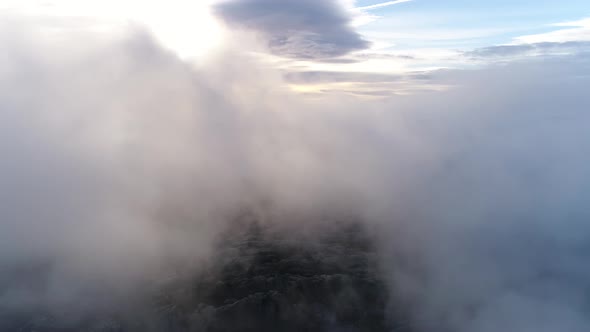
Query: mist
{"points": [[123, 165]]}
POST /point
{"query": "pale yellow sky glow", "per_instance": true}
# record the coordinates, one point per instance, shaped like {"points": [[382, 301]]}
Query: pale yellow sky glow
{"points": [[183, 26]]}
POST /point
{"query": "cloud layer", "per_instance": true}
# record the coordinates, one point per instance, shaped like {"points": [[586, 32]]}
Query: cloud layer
{"points": [[122, 163]]}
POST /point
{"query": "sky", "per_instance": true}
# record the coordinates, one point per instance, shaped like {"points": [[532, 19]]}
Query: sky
{"points": [[434, 35], [406, 38], [369, 40], [465, 25]]}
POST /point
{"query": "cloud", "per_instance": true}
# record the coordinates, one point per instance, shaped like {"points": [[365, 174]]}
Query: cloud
{"points": [[499, 195], [537, 49], [315, 77], [95, 196], [384, 56], [383, 4], [568, 32], [330, 83], [121, 164], [302, 29], [362, 57]]}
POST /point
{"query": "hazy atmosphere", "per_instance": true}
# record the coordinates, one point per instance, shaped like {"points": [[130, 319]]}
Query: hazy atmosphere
{"points": [[294, 165]]}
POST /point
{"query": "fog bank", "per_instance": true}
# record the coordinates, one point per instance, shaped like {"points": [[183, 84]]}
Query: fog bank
{"points": [[122, 164]]}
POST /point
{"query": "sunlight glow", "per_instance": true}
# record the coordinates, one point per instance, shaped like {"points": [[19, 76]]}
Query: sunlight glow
{"points": [[183, 26]]}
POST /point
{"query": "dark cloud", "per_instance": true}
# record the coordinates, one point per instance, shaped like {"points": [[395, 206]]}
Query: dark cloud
{"points": [[547, 48], [302, 29]]}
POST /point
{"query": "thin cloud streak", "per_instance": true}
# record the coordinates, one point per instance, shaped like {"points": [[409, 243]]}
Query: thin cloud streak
{"points": [[384, 4]]}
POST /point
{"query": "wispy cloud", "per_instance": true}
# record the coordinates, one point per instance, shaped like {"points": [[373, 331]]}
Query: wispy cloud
{"points": [[568, 32], [523, 50], [383, 4]]}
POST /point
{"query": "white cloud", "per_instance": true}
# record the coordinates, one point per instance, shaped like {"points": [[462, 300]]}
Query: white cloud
{"points": [[569, 32], [383, 4], [126, 156]]}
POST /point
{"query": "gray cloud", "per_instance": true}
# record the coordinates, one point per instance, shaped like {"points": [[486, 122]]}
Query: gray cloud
{"points": [[302, 29], [360, 57], [510, 177], [538, 49], [384, 56], [315, 77]]}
